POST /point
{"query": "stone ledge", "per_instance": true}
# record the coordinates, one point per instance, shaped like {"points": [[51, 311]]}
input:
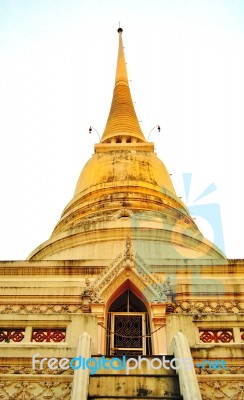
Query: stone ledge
{"points": [[35, 378], [220, 377]]}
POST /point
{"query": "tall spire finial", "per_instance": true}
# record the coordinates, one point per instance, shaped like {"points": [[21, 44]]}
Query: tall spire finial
{"points": [[122, 124], [121, 72], [120, 30]]}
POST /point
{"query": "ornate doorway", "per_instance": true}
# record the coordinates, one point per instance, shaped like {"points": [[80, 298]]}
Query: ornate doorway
{"points": [[128, 326]]}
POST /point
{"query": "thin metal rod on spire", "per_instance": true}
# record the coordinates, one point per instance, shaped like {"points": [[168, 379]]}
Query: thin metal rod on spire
{"points": [[91, 129], [156, 126]]}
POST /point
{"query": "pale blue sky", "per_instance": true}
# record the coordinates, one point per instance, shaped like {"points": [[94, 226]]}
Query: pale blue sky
{"points": [[57, 67]]}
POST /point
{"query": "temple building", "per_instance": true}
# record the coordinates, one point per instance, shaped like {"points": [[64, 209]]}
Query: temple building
{"points": [[125, 274]]}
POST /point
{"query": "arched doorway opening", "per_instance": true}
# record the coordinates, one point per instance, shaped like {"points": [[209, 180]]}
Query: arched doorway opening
{"points": [[128, 326]]}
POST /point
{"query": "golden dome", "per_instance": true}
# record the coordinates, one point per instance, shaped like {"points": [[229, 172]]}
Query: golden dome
{"points": [[111, 181], [128, 167]]}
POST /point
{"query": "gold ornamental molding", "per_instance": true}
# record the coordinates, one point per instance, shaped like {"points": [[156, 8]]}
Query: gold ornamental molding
{"points": [[127, 267], [208, 306]]}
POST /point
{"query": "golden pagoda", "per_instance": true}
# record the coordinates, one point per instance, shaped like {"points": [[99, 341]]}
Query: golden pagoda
{"points": [[123, 191], [125, 273]]}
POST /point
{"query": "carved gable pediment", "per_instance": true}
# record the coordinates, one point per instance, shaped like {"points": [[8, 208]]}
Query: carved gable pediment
{"points": [[129, 267]]}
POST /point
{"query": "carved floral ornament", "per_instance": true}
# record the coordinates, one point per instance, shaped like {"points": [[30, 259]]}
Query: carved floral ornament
{"points": [[207, 306], [17, 370], [12, 335], [16, 335], [216, 336], [232, 370], [222, 390], [177, 307], [51, 309], [124, 266], [55, 390]]}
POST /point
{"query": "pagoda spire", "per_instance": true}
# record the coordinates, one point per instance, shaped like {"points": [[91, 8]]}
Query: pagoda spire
{"points": [[122, 125], [121, 72]]}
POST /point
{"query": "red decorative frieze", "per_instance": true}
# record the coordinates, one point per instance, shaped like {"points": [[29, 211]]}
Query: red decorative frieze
{"points": [[242, 335], [216, 336], [48, 335], [12, 335]]}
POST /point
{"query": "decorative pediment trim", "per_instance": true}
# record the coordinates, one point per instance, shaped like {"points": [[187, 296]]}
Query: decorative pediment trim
{"points": [[128, 267]]}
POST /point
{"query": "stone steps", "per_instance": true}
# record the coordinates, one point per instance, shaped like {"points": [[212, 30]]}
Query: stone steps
{"points": [[141, 383], [133, 385]]}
